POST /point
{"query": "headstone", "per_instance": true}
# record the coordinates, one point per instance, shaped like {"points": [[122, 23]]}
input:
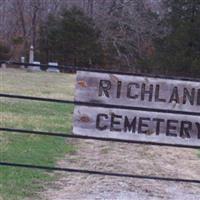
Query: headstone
{"points": [[35, 68], [22, 61], [31, 57], [52, 67], [31, 54], [3, 66]]}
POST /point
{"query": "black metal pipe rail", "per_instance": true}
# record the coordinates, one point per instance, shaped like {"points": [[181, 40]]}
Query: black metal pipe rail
{"points": [[66, 135], [93, 104], [101, 173], [90, 69]]}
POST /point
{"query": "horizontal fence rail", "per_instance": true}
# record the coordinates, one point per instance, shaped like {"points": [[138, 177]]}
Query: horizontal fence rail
{"points": [[91, 69], [93, 104], [92, 172], [66, 135]]}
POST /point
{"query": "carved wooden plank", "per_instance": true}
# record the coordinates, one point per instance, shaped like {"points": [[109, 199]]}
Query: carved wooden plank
{"points": [[174, 106], [137, 91], [137, 125]]}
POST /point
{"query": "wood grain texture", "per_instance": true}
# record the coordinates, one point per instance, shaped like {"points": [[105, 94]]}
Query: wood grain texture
{"points": [[133, 91], [138, 92], [144, 128]]}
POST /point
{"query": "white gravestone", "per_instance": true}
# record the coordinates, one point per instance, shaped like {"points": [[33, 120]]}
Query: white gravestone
{"points": [[52, 67]]}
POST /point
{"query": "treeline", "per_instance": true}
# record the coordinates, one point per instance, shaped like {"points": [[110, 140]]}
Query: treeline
{"points": [[136, 35]]}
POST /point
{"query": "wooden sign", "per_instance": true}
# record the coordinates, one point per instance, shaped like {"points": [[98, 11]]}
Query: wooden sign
{"points": [[147, 109]]}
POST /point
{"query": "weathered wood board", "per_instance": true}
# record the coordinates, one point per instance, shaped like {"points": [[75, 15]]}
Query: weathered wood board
{"points": [[173, 116], [137, 91], [137, 125]]}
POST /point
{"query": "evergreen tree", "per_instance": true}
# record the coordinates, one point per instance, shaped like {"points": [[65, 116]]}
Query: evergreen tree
{"points": [[4, 52], [179, 50], [70, 38]]}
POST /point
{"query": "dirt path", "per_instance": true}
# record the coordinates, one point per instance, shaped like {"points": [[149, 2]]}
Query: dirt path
{"points": [[126, 158]]}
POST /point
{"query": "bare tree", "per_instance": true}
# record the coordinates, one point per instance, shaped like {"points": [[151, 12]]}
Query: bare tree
{"points": [[126, 27]]}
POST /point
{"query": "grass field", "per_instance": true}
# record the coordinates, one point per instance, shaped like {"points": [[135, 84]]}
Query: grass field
{"points": [[17, 184]]}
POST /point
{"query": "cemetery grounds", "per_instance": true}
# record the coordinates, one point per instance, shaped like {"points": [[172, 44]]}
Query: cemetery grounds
{"points": [[104, 156]]}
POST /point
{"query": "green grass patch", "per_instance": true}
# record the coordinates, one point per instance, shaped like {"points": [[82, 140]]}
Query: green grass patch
{"points": [[31, 149]]}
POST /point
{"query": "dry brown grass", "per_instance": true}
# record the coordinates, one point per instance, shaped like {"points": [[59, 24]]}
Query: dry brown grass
{"points": [[41, 84], [16, 184]]}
